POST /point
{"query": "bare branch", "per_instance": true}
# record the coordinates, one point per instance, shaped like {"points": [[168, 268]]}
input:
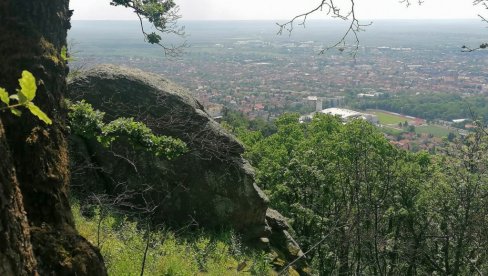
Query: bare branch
{"points": [[468, 49], [334, 11], [408, 3], [484, 4]]}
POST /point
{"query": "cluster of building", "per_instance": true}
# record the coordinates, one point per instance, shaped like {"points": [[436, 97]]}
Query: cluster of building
{"points": [[266, 78]]}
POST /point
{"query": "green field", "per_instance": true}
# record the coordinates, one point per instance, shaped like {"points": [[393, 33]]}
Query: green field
{"points": [[391, 130], [386, 118], [438, 131]]}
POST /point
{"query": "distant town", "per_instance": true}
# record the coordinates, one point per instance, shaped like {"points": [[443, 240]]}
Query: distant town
{"points": [[263, 76]]}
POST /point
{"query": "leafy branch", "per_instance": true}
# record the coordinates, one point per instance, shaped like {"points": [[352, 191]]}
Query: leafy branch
{"points": [[163, 15], [23, 98], [88, 123]]}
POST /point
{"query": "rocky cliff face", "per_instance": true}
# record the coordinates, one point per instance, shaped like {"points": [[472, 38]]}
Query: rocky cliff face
{"points": [[211, 185]]}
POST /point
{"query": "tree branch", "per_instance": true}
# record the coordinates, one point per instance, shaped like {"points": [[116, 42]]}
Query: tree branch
{"points": [[334, 11], [163, 15]]}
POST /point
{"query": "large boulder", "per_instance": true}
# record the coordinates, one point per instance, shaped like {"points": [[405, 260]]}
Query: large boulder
{"points": [[211, 185]]}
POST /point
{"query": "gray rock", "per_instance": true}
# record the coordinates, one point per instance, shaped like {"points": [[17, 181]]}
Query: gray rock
{"points": [[276, 220], [211, 185], [283, 243]]}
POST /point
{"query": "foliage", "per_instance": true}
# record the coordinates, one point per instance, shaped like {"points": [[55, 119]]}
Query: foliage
{"points": [[88, 123], [237, 123], [24, 97], [162, 14], [383, 210], [122, 245], [65, 56]]}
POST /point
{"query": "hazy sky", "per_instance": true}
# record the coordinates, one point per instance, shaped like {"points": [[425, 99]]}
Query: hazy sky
{"points": [[284, 9]]}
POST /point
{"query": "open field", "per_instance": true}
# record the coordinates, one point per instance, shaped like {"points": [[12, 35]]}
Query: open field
{"points": [[438, 131], [387, 118], [391, 130]]}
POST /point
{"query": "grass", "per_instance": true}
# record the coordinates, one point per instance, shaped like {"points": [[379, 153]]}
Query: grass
{"points": [[386, 118], [438, 131], [391, 131], [122, 244]]}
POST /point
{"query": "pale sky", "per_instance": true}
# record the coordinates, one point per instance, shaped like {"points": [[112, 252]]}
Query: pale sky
{"points": [[283, 9]]}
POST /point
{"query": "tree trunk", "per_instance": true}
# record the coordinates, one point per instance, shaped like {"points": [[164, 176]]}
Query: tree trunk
{"points": [[32, 34], [16, 257]]}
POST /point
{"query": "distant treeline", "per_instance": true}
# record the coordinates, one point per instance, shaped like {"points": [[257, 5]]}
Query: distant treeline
{"points": [[430, 106]]}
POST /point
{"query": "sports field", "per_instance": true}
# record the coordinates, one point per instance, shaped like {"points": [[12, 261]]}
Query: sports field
{"points": [[438, 131], [387, 118]]}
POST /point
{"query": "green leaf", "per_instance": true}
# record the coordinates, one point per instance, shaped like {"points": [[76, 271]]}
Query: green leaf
{"points": [[16, 112], [28, 87], [39, 113], [4, 96], [64, 53], [14, 97]]}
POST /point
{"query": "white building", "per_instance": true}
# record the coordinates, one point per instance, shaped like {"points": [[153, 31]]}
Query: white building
{"points": [[346, 115]]}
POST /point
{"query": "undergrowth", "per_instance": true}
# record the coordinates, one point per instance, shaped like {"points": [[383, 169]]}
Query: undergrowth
{"points": [[122, 244]]}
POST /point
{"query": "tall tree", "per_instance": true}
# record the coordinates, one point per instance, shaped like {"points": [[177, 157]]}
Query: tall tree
{"points": [[37, 234]]}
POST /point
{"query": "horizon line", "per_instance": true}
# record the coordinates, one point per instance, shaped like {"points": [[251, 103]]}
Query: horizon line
{"points": [[328, 19]]}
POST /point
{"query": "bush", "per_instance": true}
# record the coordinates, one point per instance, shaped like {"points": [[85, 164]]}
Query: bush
{"points": [[87, 123]]}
